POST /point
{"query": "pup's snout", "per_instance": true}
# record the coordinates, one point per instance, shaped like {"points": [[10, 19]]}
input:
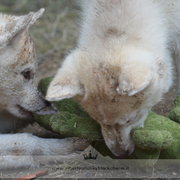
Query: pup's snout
{"points": [[48, 108], [120, 151]]}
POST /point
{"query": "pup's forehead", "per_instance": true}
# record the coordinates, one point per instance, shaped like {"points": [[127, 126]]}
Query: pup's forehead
{"points": [[107, 105], [26, 53]]}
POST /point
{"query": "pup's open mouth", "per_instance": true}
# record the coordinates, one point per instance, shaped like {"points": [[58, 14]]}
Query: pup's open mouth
{"points": [[23, 111], [50, 109]]}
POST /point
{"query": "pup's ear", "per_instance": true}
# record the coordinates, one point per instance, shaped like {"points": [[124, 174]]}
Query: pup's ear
{"points": [[135, 76], [66, 82], [13, 25]]}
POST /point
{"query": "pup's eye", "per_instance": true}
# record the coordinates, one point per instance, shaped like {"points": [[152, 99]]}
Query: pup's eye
{"points": [[27, 74]]}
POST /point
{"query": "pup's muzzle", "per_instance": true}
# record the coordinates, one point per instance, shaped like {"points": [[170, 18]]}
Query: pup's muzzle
{"points": [[48, 109]]}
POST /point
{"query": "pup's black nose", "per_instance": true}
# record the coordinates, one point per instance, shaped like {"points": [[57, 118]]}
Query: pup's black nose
{"points": [[48, 108], [120, 154], [47, 103]]}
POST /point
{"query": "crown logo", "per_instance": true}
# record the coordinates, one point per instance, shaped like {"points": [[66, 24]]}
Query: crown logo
{"points": [[90, 156]]}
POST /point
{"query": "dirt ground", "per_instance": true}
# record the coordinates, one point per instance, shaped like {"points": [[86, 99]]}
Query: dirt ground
{"points": [[55, 35]]}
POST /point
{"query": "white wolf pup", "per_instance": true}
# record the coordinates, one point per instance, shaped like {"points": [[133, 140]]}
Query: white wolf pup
{"points": [[18, 91], [122, 65]]}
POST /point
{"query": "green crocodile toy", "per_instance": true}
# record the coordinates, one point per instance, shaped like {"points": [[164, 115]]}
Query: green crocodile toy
{"points": [[160, 137]]}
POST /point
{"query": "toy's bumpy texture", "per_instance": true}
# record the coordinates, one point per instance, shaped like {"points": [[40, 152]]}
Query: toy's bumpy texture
{"points": [[160, 137], [71, 120]]}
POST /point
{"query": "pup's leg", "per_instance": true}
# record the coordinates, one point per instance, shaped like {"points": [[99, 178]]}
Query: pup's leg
{"points": [[15, 146]]}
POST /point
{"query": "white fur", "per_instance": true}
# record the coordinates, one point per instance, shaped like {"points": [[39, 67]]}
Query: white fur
{"points": [[136, 36], [25, 150]]}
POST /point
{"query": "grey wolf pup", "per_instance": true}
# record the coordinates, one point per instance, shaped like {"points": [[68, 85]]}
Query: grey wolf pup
{"points": [[19, 94]]}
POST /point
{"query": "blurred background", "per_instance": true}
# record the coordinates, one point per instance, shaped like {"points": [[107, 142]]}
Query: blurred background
{"points": [[54, 34]]}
